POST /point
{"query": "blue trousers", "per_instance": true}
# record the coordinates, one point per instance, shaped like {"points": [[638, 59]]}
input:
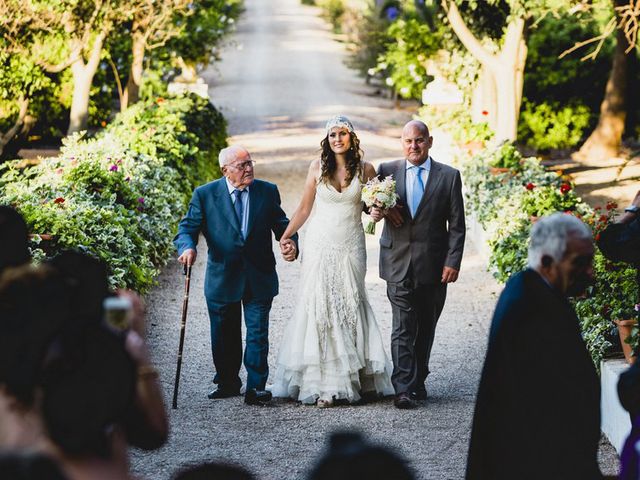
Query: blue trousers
{"points": [[226, 342]]}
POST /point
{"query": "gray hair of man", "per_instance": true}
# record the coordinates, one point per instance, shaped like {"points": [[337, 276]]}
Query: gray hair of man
{"points": [[229, 154], [550, 235]]}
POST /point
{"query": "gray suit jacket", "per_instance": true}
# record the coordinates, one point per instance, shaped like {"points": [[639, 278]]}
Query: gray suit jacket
{"points": [[431, 240]]}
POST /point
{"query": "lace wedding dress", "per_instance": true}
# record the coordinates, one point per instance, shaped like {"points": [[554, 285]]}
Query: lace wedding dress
{"points": [[332, 346]]}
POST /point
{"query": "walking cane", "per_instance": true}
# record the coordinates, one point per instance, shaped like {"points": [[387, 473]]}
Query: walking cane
{"points": [[183, 323]]}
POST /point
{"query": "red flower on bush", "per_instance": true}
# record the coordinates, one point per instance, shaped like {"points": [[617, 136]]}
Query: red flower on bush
{"points": [[59, 201], [485, 113], [530, 186], [597, 237], [565, 188], [611, 205]]}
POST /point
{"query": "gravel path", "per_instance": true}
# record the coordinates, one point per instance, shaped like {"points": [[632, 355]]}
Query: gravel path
{"points": [[281, 77]]}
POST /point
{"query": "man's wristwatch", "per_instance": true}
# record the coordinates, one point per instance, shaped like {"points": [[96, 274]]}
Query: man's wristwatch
{"points": [[632, 209]]}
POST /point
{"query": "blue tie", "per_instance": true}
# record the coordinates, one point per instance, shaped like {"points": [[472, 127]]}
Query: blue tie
{"points": [[238, 206], [418, 191]]}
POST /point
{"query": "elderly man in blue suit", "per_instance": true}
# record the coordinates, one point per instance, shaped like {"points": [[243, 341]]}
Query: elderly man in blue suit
{"points": [[236, 215]]}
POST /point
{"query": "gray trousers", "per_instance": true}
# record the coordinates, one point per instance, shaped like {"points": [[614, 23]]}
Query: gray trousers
{"points": [[415, 310]]}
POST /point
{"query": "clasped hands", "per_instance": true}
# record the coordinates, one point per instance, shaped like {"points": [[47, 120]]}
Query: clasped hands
{"points": [[288, 249], [394, 215]]}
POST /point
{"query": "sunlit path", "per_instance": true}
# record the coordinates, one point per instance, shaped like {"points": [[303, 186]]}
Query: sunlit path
{"points": [[281, 77]]}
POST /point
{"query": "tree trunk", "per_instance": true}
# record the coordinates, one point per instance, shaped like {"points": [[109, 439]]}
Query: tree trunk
{"points": [[506, 67], [82, 80], [507, 125], [5, 138], [604, 142], [79, 116], [132, 91]]}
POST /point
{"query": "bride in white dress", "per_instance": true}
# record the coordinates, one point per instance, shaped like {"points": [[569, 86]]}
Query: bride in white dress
{"points": [[332, 347]]}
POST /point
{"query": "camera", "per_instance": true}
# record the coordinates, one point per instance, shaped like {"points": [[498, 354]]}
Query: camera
{"points": [[117, 312]]}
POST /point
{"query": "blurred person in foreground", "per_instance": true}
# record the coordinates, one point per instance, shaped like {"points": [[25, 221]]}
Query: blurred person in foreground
{"points": [[537, 413], [14, 239], [71, 386], [350, 456], [620, 242], [213, 471]]}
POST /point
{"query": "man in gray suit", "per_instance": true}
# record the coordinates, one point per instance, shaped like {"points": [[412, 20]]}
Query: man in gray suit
{"points": [[420, 252]]}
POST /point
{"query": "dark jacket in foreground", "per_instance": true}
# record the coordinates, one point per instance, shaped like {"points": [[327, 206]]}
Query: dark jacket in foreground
{"points": [[537, 414]]}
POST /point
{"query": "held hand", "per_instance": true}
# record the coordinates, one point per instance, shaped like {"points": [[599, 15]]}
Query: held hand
{"points": [[136, 321], [288, 249], [449, 275], [188, 257], [376, 214], [394, 215], [137, 348]]}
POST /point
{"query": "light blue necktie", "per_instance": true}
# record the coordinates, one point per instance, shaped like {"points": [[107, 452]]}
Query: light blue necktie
{"points": [[238, 206], [418, 190]]}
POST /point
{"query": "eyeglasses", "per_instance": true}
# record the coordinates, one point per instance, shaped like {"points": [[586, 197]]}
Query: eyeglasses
{"points": [[244, 165]]}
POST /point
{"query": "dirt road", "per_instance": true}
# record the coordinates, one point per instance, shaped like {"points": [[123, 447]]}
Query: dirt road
{"points": [[281, 78]]}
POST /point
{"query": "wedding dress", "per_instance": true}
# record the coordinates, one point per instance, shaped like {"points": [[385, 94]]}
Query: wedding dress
{"points": [[332, 346]]}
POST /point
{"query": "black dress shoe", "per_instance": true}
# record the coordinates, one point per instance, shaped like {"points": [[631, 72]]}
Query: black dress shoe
{"points": [[420, 395], [257, 397], [219, 393], [404, 401]]}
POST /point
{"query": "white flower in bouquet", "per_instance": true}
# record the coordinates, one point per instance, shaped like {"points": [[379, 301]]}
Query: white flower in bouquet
{"points": [[381, 194]]}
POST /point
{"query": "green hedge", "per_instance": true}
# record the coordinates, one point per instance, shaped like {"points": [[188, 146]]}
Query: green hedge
{"points": [[506, 202], [121, 194]]}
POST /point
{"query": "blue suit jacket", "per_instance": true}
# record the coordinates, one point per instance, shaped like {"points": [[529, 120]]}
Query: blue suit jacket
{"points": [[235, 263]]}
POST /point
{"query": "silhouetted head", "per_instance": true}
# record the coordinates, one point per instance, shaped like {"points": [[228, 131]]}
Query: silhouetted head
{"points": [[88, 382], [14, 238], [349, 456], [87, 281], [34, 304], [213, 471]]}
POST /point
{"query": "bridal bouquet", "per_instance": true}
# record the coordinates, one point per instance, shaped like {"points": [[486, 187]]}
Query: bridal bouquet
{"points": [[381, 194]]}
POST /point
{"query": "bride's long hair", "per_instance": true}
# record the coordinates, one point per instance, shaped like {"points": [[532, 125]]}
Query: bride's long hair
{"points": [[328, 165]]}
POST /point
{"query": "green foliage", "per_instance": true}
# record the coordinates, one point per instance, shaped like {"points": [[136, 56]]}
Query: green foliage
{"points": [[567, 80], [550, 125], [613, 296], [505, 205], [186, 133], [457, 122], [120, 196], [208, 21], [506, 156], [369, 40], [333, 10], [403, 63]]}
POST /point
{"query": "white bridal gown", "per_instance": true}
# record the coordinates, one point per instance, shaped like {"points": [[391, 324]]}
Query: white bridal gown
{"points": [[332, 346]]}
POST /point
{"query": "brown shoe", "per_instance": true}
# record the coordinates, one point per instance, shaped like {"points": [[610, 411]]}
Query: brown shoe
{"points": [[404, 401]]}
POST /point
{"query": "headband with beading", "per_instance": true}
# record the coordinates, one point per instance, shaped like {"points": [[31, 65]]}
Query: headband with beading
{"points": [[339, 121]]}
